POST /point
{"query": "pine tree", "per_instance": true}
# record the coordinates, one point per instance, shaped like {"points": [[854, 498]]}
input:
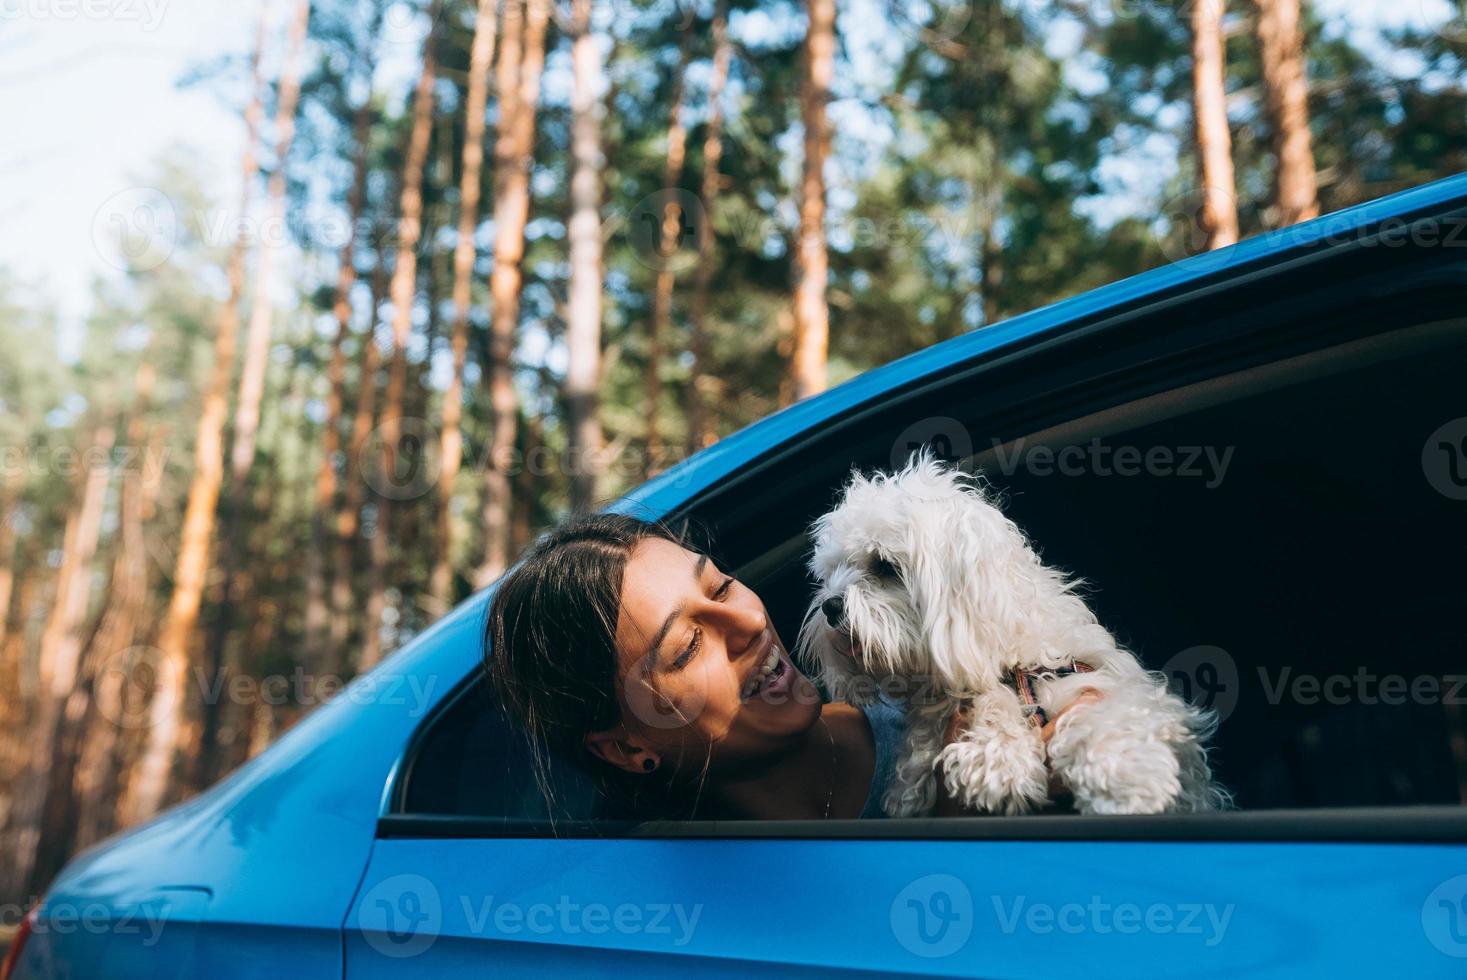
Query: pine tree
{"points": [[521, 60], [812, 314], [583, 329], [451, 438], [1286, 87], [149, 782], [1219, 208]]}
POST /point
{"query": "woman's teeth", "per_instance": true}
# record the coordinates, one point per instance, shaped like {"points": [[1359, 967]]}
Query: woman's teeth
{"points": [[772, 667]]}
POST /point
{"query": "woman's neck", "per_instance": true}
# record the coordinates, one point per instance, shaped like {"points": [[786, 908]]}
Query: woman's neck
{"points": [[828, 774]]}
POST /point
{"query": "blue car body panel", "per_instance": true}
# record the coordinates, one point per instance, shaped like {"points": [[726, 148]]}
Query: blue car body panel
{"points": [[259, 875], [844, 907]]}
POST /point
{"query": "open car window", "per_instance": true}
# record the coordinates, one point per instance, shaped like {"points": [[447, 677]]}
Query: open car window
{"points": [[1281, 538]]}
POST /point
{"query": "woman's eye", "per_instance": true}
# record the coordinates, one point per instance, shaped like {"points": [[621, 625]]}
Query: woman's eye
{"points": [[723, 590], [882, 568], [690, 650]]}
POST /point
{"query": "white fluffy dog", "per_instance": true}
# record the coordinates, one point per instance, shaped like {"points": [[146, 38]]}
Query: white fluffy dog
{"points": [[924, 584]]}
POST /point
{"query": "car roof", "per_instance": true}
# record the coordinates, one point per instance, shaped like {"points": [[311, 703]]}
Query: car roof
{"points": [[687, 479]]}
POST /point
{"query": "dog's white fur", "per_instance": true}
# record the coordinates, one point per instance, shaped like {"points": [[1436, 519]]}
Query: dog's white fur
{"points": [[969, 601]]}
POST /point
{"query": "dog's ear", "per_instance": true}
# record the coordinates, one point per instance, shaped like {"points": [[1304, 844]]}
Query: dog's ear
{"points": [[958, 587]]}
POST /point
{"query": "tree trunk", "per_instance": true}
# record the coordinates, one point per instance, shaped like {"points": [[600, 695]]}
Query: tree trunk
{"points": [[700, 433], [812, 315], [990, 280], [583, 329], [84, 761], [326, 632], [1281, 50], [195, 742], [522, 519], [348, 518], [1218, 214], [149, 780], [401, 292], [52, 741], [450, 448], [520, 63], [319, 643], [9, 499], [672, 223], [99, 769], [257, 339]]}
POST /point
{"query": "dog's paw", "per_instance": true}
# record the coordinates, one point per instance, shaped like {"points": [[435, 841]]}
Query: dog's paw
{"points": [[1122, 776], [996, 775]]}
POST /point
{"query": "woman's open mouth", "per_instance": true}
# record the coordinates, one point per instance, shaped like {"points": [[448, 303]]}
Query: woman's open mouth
{"points": [[771, 677]]}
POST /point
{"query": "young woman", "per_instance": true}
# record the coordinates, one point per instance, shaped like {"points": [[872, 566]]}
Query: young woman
{"points": [[624, 651]]}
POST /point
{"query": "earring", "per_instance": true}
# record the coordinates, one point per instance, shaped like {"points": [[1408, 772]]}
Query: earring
{"points": [[649, 764]]}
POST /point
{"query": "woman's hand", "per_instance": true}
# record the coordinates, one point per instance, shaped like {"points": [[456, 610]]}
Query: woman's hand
{"points": [[1088, 695]]}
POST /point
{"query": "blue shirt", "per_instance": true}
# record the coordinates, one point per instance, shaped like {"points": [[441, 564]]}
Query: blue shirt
{"points": [[888, 727]]}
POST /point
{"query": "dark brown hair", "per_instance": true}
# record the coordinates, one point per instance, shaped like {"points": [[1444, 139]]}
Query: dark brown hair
{"points": [[550, 642]]}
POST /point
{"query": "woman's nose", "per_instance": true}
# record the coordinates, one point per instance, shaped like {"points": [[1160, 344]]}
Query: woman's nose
{"points": [[745, 626]]}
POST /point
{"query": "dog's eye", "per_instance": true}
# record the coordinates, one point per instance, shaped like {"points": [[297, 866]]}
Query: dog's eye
{"points": [[884, 569]]}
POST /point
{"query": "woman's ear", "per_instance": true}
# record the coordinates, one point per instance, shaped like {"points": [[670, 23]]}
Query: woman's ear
{"points": [[625, 751]]}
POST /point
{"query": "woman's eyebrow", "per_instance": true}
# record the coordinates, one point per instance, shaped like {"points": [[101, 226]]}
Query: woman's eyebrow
{"points": [[677, 611]]}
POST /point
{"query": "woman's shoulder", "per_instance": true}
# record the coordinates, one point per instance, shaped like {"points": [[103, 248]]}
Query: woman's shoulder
{"points": [[887, 725]]}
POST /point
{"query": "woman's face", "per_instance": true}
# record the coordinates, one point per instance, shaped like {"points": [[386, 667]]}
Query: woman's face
{"points": [[704, 678]]}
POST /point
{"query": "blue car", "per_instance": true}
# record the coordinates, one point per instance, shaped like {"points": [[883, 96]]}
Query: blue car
{"points": [[1257, 459]]}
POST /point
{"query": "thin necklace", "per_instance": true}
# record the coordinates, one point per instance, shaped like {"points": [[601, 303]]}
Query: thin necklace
{"points": [[830, 797]]}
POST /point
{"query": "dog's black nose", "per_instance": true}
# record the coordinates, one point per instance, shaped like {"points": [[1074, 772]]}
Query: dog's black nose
{"points": [[834, 609]]}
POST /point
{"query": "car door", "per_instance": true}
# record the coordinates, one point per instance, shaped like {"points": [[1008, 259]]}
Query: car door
{"points": [[1259, 471]]}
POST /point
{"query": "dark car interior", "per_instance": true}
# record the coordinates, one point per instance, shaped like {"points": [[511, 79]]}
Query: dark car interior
{"points": [[1329, 549]]}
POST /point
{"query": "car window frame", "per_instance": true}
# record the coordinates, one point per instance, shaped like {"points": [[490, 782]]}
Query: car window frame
{"points": [[1243, 331]]}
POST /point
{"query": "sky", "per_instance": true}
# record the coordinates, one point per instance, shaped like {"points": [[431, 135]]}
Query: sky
{"points": [[89, 100]]}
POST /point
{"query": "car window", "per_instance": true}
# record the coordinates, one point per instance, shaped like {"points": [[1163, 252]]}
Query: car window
{"points": [[1285, 544], [1282, 542], [472, 760]]}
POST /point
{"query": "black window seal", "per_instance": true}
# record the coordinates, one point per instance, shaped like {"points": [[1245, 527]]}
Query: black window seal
{"points": [[1434, 824]]}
